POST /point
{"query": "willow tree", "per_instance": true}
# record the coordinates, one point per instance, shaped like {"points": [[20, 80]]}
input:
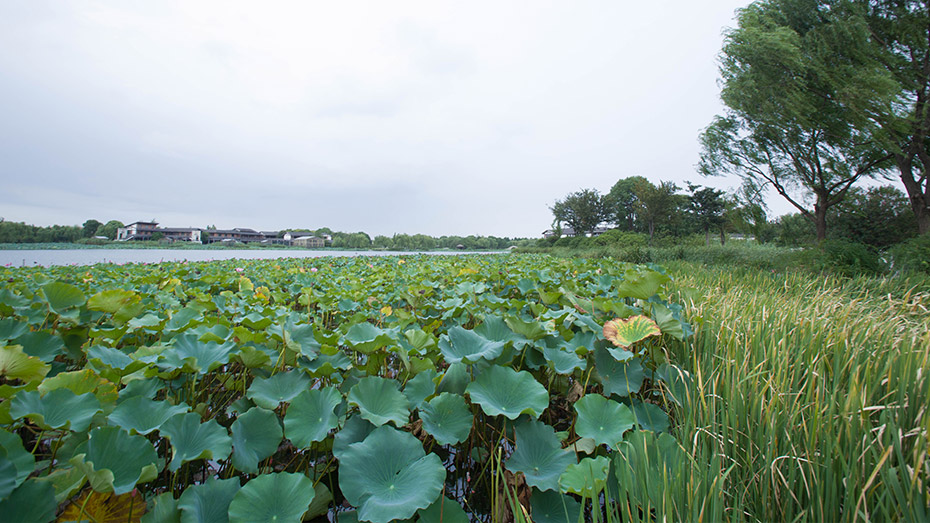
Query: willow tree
{"points": [[799, 87]]}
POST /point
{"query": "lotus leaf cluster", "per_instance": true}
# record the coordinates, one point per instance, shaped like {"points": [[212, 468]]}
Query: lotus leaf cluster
{"points": [[421, 388]]}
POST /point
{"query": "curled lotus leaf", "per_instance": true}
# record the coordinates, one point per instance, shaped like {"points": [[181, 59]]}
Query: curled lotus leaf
{"points": [[389, 476], [506, 392], [366, 338], [624, 332], [190, 354], [34, 500], [447, 418], [355, 430], [115, 461], [16, 365], [312, 415], [539, 455], [191, 439], [255, 436], [282, 387], [208, 501], [587, 478], [59, 409], [379, 401], [462, 345], [602, 420], [280, 496], [142, 415], [22, 461]]}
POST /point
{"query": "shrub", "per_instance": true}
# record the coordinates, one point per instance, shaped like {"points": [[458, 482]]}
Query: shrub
{"points": [[848, 258], [912, 255]]}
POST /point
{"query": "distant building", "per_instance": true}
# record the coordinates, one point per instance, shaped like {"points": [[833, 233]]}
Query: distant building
{"points": [[309, 241], [568, 231], [181, 234], [136, 231]]}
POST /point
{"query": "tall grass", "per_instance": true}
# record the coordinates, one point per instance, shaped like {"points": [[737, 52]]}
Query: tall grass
{"points": [[809, 398]]}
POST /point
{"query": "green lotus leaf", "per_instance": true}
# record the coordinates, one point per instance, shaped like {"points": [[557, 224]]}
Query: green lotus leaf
{"points": [[255, 436], [495, 328], [280, 496], [553, 507], [182, 318], [587, 478], [420, 387], [41, 344], [114, 461], [148, 321], [252, 357], [145, 388], [59, 409], [15, 365], [602, 420], [388, 476], [447, 418], [8, 481], [563, 361], [216, 333], [22, 461], [282, 387], [539, 455], [355, 430], [320, 504], [122, 304], [443, 510], [66, 482], [256, 321], [532, 330], [164, 509], [114, 359], [641, 283], [618, 377], [668, 317], [80, 382], [304, 337], [461, 345], [34, 500], [142, 415], [624, 332], [11, 328], [504, 391], [311, 415], [650, 416], [419, 340], [193, 355], [379, 401], [365, 337], [327, 364], [455, 379], [191, 439], [208, 502], [63, 298]]}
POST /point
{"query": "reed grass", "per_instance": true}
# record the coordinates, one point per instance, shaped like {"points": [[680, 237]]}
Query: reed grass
{"points": [[809, 398]]}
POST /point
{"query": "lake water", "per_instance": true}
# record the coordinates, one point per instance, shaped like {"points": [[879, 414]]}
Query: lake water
{"points": [[46, 257]]}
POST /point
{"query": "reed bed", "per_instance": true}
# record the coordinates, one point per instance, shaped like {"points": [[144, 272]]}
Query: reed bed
{"points": [[809, 398]]}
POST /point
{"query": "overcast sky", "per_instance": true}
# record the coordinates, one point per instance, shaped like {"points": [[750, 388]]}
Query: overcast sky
{"points": [[387, 117]]}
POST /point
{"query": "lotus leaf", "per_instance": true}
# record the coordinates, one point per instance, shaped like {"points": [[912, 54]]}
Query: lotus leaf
{"points": [[379, 401], [303, 336], [553, 507], [539, 455], [164, 510], [182, 319], [255, 436], [312, 415], [113, 359], [532, 330], [618, 377], [282, 387], [626, 332], [63, 298], [461, 345], [365, 337], [8, 481], [447, 418], [114, 461], [23, 462], [443, 510], [587, 478], [193, 355], [32, 501], [641, 283], [41, 344], [454, 380], [59, 409], [11, 328], [142, 415], [208, 502], [504, 391], [355, 430], [191, 439], [602, 420], [564, 362], [650, 416], [321, 500], [80, 382], [280, 496], [122, 304], [66, 482], [15, 365], [388, 476], [420, 387]]}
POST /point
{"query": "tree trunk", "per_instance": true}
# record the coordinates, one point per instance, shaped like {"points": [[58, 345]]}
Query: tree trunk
{"points": [[723, 236], [918, 198], [707, 236], [652, 228], [820, 220]]}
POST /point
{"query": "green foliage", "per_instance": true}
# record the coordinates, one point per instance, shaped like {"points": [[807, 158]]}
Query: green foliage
{"points": [[850, 259], [582, 211], [913, 255]]}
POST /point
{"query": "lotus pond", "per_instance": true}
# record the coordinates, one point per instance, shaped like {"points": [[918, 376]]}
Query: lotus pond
{"points": [[418, 388]]}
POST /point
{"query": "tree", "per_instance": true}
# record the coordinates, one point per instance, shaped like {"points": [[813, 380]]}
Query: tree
{"points": [[900, 33], [656, 204], [795, 119], [89, 228], [707, 207], [620, 202], [383, 242], [582, 211], [880, 217], [109, 229], [157, 236]]}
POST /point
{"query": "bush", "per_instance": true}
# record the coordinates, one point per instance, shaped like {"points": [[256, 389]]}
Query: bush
{"points": [[621, 239], [912, 255], [848, 258]]}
